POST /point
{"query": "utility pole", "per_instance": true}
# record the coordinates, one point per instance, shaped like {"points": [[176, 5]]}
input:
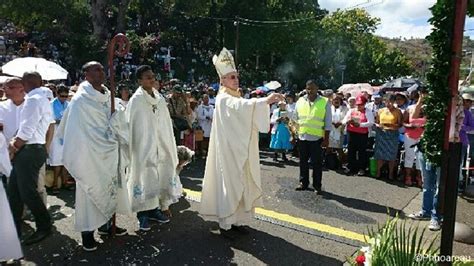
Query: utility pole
{"points": [[236, 24], [451, 150]]}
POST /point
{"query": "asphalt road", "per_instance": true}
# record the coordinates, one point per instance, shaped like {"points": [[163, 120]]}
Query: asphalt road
{"points": [[352, 203]]}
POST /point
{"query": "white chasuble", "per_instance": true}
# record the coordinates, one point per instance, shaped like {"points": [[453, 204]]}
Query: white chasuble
{"points": [[153, 153], [91, 154], [232, 184]]}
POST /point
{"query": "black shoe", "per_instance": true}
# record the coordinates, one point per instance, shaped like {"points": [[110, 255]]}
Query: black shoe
{"points": [[361, 173], [37, 237], [88, 243], [118, 231], [319, 191], [240, 229], [229, 234], [302, 188]]}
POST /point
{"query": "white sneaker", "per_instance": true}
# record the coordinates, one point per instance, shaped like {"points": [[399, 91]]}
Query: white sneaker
{"points": [[434, 225]]}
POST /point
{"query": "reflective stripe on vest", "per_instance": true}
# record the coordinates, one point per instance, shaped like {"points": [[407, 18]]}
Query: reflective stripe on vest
{"points": [[311, 118]]}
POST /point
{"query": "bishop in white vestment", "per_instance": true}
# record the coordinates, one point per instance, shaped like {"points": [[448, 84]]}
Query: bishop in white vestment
{"points": [[91, 154], [153, 154], [232, 185]]}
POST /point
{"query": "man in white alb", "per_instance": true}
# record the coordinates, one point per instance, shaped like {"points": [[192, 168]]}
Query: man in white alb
{"points": [[153, 155], [232, 185], [91, 155]]}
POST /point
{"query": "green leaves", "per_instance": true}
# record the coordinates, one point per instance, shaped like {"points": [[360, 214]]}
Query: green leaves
{"points": [[396, 244], [436, 103]]}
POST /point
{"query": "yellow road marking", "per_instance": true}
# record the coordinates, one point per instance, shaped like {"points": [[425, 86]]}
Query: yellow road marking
{"points": [[196, 195], [311, 225]]}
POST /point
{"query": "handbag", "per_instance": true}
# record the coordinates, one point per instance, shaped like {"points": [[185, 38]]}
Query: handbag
{"points": [[181, 124]]}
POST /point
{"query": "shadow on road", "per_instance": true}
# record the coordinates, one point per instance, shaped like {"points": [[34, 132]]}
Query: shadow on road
{"points": [[361, 204], [308, 200], [273, 250]]}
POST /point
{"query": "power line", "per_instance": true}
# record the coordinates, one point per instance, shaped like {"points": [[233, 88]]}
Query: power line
{"points": [[355, 6], [251, 22], [364, 7]]}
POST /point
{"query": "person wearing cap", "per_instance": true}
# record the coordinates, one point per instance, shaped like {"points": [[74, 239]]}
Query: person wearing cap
{"points": [[467, 125], [351, 102], [280, 134], [232, 185], [376, 104], [358, 121], [314, 118], [91, 133], [401, 101], [388, 121]]}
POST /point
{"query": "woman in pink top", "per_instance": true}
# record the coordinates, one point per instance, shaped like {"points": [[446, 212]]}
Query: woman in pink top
{"points": [[414, 128]]}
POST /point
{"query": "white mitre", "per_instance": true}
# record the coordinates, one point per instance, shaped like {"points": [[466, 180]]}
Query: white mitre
{"points": [[224, 63]]}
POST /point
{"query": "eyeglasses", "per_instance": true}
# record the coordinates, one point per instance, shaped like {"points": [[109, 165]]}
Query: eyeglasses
{"points": [[233, 77], [63, 96]]}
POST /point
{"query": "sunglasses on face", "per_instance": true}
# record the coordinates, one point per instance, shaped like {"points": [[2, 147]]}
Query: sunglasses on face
{"points": [[63, 96]]}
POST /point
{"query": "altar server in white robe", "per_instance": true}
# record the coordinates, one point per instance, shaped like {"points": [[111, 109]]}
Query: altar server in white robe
{"points": [[232, 185], [91, 155], [153, 155]]}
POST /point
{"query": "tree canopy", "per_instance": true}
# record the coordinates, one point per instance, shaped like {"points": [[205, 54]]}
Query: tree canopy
{"points": [[285, 39]]}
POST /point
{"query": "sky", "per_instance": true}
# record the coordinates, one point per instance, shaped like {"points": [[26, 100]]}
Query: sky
{"points": [[399, 18]]}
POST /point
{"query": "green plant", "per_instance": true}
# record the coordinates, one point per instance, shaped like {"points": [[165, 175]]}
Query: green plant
{"points": [[436, 103], [396, 244]]}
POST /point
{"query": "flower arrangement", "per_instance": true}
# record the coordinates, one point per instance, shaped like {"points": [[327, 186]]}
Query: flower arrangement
{"points": [[396, 244]]}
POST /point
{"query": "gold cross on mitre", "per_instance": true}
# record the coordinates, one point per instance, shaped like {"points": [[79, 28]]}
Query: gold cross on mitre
{"points": [[224, 63], [227, 58]]}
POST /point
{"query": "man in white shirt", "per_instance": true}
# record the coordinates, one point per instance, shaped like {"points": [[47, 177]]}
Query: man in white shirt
{"points": [[10, 121], [29, 154]]}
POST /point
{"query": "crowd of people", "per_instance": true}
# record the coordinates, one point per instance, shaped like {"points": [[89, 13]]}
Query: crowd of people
{"points": [[43, 124], [130, 163]]}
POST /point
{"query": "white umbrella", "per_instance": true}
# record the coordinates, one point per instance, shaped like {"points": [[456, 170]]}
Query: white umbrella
{"points": [[47, 69], [355, 89]]}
